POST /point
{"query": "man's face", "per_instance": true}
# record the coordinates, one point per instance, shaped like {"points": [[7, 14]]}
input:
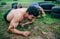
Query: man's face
{"points": [[30, 17]]}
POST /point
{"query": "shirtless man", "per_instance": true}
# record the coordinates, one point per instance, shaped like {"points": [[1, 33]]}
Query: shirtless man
{"points": [[15, 16]]}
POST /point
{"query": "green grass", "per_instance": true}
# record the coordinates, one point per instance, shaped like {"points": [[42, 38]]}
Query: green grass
{"points": [[45, 24], [23, 2]]}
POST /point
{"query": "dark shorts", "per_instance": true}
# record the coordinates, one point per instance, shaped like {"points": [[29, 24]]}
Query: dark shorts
{"points": [[5, 15]]}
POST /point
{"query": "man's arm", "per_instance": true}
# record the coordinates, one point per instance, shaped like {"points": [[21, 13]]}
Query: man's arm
{"points": [[12, 28], [29, 22], [42, 10]]}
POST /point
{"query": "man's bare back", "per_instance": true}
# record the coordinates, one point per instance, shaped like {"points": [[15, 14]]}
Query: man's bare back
{"points": [[17, 14]]}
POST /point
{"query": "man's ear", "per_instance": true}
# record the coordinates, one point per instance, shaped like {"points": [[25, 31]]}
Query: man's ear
{"points": [[26, 14]]}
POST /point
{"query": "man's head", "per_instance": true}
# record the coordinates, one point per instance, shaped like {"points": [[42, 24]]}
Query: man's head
{"points": [[16, 5], [19, 6], [33, 12]]}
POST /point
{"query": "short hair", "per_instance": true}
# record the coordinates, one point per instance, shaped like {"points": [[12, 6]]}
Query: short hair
{"points": [[32, 10]]}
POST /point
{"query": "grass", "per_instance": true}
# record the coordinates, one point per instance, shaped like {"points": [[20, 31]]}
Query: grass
{"points": [[46, 24]]}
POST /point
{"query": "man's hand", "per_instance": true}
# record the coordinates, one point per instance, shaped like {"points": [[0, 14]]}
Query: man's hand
{"points": [[26, 33], [43, 15], [22, 25]]}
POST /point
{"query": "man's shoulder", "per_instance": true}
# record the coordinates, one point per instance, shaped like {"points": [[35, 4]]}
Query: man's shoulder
{"points": [[21, 9]]}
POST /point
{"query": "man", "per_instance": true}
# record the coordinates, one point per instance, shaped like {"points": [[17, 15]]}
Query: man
{"points": [[36, 4], [16, 5], [19, 6], [15, 16]]}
